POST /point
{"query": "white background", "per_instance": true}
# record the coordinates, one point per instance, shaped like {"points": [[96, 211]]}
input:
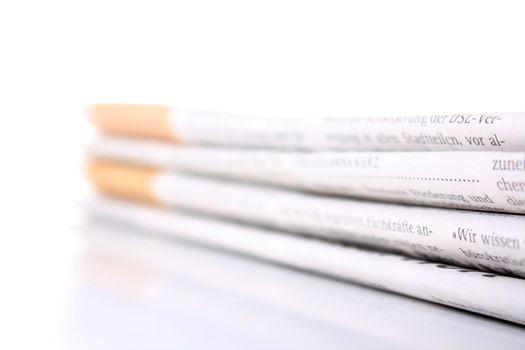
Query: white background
{"points": [[264, 58]]}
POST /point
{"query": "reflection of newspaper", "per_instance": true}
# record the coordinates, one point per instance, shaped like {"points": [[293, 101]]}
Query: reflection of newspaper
{"points": [[456, 132], [490, 181], [488, 294], [291, 307], [480, 240]]}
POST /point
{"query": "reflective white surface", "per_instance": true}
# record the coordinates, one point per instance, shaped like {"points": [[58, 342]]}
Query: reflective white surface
{"points": [[135, 291]]}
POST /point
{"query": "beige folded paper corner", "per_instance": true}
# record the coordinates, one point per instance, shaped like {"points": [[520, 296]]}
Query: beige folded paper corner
{"points": [[135, 120], [123, 180]]}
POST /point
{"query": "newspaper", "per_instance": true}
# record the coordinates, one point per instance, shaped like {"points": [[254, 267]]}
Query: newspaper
{"points": [[484, 293], [230, 289], [453, 132], [486, 241], [487, 181]]}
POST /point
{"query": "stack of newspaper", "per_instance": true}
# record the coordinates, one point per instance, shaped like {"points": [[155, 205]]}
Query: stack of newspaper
{"points": [[429, 206]]}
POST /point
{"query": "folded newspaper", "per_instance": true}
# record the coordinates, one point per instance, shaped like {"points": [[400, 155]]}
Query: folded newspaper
{"points": [[454, 132], [486, 241], [160, 275], [489, 181], [480, 292]]}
